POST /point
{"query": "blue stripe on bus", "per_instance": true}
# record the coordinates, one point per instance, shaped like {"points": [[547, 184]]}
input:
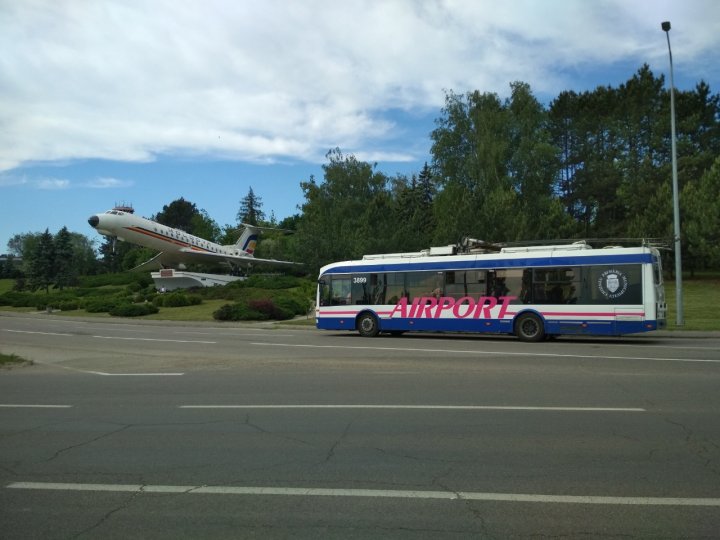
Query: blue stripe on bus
{"points": [[494, 326], [491, 263]]}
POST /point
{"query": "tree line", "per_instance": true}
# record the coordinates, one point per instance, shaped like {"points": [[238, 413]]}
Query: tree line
{"points": [[595, 164]]}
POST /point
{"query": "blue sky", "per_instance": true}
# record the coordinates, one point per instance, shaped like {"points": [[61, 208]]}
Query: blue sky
{"points": [[141, 102]]}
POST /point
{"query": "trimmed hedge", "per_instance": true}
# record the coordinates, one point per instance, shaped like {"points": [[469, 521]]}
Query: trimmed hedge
{"points": [[102, 305], [133, 310], [68, 305], [238, 312], [177, 299], [280, 309], [21, 299], [125, 278]]}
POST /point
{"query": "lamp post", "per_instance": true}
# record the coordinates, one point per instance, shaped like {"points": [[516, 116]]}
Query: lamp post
{"points": [[679, 320]]}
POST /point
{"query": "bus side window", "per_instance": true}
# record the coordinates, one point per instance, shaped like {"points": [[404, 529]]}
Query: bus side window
{"points": [[394, 287], [460, 283], [508, 283], [361, 287], [423, 284], [556, 285], [341, 291], [377, 289]]}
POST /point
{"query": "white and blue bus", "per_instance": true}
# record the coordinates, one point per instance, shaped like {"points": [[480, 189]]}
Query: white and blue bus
{"points": [[533, 292]]}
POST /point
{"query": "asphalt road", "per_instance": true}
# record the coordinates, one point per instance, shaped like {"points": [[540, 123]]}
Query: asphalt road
{"points": [[159, 430]]}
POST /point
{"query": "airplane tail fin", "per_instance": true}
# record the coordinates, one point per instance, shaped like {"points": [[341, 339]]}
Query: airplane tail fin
{"points": [[248, 239]]}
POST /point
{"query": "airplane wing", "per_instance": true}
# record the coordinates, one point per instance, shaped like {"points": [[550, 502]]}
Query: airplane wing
{"points": [[151, 264], [191, 256]]}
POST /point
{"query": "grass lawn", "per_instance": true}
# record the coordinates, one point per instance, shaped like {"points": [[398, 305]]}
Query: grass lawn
{"points": [[201, 312], [701, 301], [6, 285]]}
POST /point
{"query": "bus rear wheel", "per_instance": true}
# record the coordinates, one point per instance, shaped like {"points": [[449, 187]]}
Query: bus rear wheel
{"points": [[367, 325], [529, 327]]}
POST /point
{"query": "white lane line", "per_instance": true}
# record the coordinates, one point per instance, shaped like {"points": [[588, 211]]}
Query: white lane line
{"points": [[104, 374], [133, 374], [266, 333], [155, 339], [31, 332], [646, 346], [113, 337], [373, 493], [485, 353], [30, 406], [424, 407]]}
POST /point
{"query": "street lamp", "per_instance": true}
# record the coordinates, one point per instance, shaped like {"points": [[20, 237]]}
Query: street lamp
{"points": [[679, 320]]}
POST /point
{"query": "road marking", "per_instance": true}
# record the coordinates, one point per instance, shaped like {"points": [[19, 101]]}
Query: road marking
{"points": [[240, 333], [373, 493], [133, 374], [113, 337], [24, 406], [485, 353], [41, 333], [424, 407], [155, 339], [104, 374]]}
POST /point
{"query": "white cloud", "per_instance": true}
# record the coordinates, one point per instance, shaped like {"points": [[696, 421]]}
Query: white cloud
{"points": [[53, 184], [259, 81], [9, 179], [108, 183]]}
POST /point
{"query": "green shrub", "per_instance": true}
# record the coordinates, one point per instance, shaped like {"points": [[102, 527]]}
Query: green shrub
{"points": [[133, 310], [134, 287], [101, 305], [177, 299], [293, 304], [21, 299], [238, 312], [68, 305], [125, 278], [99, 291], [272, 282], [260, 309]]}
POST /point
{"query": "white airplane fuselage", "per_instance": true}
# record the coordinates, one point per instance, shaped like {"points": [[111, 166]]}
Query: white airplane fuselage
{"points": [[177, 247], [145, 232]]}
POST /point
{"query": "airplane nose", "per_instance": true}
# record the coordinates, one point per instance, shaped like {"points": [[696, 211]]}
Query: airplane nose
{"points": [[93, 221]]}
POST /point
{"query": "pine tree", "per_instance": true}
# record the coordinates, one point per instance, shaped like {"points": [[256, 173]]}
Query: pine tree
{"points": [[65, 268], [41, 272], [251, 209]]}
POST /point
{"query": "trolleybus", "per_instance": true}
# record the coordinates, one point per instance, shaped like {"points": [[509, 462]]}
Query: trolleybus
{"points": [[533, 292]]}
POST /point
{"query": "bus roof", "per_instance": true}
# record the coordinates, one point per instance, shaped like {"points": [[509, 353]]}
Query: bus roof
{"points": [[514, 257]]}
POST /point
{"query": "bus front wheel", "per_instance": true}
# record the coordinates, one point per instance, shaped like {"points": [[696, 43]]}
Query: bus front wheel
{"points": [[529, 327], [367, 325]]}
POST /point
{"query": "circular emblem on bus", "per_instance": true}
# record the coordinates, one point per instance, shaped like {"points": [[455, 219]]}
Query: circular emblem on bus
{"points": [[612, 283]]}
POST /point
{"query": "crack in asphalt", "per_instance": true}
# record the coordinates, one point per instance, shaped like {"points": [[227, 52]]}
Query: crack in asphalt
{"points": [[85, 443], [331, 453], [471, 506], [261, 429], [699, 447], [108, 515]]}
